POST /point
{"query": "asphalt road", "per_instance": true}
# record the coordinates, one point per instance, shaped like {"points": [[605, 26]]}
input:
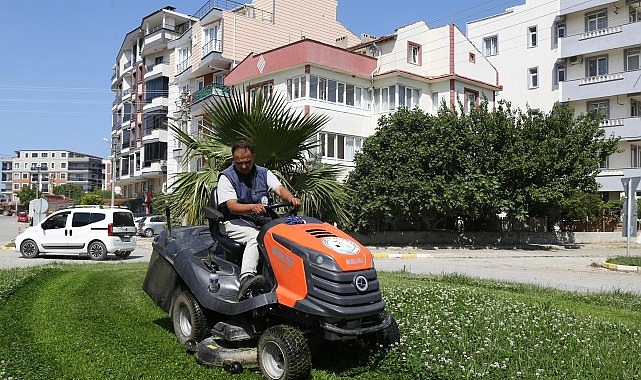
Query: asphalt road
{"points": [[558, 267]]}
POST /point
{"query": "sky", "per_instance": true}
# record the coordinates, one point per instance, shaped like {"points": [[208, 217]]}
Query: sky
{"points": [[58, 55]]}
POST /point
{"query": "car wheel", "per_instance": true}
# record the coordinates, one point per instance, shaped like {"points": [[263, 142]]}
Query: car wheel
{"points": [[29, 249], [122, 254], [149, 232], [190, 323], [283, 353], [97, 251]]}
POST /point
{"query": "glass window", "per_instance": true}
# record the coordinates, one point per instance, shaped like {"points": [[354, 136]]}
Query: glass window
{"points": [[602, 105], [632, 59], [596, 66], [414, 53], [349, 94], [635, 107], [596, 20], [358, 97], [313, 86], [341, 93], [331, 143], [401, 96], [560, 73], [533, 77], [532, 36], [491, 46], [331, 90], [322, 88]]}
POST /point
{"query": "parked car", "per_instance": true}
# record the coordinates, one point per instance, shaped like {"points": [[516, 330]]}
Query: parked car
{"points": [[151, 225], [92, 230], [23, 217]]}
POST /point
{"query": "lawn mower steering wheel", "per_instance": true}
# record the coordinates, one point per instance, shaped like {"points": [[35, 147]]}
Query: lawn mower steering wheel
{"points": [[270, 208]]}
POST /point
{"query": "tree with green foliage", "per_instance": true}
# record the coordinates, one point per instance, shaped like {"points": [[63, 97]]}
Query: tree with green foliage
{"points": [[423, 171], [27, 194], [283, 138], [69, 190], [92, 199]]}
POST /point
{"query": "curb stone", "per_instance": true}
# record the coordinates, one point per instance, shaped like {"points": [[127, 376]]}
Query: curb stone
{"points": [[624, 268], [384, 255]]}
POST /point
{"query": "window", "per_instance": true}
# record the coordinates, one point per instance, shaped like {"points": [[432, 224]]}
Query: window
{"points": [[81, 219], [34, 155], [343, 147], [407, 97], [313, 86], [63, 175], [156, 88], [635, 107], [63, 165], [414, 53], [435, 103], [471, 99], [63, 155], [635, 150], [532, 40], [16, 175], [16, 186], [560, 72], [491, 46], [602, 105], [605, 164], [533, 77], [26, 154], [596, 66], [25, 176], [211, 42], [53, 165], [44, 155], [183, 60], [632, 59], [561, 30], [472, 58], [53, 154], [296, 88], [331, 90], [596, 20]]}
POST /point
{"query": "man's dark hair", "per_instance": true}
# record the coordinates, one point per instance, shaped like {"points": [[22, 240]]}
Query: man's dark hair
{"points": [[242, 144]]}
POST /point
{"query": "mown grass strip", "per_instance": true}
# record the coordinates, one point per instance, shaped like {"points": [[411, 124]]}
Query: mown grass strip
{"points": [[95, 322]]}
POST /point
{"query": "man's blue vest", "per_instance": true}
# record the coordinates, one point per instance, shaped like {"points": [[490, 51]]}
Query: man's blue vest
{"points": [[249, 189]]}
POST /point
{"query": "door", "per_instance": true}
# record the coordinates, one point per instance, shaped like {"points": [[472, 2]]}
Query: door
{"points": [[55, 232]]}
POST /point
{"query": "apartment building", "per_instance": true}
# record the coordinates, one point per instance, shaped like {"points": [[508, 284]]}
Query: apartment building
{"points": [[44, 169], [583, 52], [414, 67], [173, 63]]}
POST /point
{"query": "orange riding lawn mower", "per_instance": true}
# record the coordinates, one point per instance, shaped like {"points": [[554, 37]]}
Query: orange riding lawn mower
{"points": [[318, 286]]}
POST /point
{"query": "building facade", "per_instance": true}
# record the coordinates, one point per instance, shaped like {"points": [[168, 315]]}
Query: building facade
{"points": [[586, 53], [44, 169], [168, 66], [414, 67]]}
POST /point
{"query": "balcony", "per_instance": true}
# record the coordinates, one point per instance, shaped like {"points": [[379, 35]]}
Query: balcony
{"points": [[208, 91], [610, 38], [571, 6], [156, 39], [154, 168], [155, 135], [157, 70], [610, 179], [211, 46], [627, 129], [600, 86]]}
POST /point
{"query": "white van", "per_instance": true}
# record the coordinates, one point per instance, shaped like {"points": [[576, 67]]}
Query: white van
{"points": [[93, 230]]}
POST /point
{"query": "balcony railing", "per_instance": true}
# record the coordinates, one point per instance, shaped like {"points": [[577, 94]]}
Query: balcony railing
{"points": [[182, 66], [213, 45], [210, 90], [233, 6]]}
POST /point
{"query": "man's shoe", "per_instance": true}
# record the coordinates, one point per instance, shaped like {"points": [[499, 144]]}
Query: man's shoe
{"points": [[250, 285]]}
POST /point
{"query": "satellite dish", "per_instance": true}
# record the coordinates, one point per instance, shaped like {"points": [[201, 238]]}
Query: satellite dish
{"points": [[38, 206], [373, 49]]}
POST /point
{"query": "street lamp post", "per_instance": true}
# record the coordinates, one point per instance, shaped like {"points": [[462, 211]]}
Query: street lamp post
{"points": [[113, 168]]}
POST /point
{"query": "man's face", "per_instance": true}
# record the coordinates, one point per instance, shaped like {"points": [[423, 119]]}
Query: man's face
{"points": [[243, 160]]}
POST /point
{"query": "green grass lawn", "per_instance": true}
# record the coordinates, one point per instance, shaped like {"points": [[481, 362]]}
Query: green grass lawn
{"points": [[95, 322], [625, 260]]}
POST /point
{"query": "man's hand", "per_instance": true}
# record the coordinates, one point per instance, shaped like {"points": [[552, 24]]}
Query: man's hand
{"points": [[296, 202], [258, 208]]}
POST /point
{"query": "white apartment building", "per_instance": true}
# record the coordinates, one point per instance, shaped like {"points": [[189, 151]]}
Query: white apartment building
{"points": [[414, 67], [44, 169], [583, 52]]}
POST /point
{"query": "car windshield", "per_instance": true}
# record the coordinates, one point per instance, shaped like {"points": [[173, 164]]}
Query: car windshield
{"points": [[122, 219]]}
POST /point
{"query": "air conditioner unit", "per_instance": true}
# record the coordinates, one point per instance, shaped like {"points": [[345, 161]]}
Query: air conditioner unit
{"points": [[576, 60]]}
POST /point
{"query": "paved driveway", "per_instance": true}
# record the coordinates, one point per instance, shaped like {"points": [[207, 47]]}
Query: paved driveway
{"points": [[561, 268]]}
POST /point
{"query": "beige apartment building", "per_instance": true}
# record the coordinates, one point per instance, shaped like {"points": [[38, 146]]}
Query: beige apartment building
{"points": [[169, 65]]}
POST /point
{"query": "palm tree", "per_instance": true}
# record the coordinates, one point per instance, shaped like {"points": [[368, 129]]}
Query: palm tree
{"points": [[284, 140]]}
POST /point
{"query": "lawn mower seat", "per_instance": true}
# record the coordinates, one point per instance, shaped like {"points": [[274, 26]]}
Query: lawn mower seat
{"points": [[233, 249]]}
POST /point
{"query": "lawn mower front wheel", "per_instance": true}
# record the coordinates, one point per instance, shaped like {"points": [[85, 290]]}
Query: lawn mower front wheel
{"points": [[283, 354], [190, 323]]}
